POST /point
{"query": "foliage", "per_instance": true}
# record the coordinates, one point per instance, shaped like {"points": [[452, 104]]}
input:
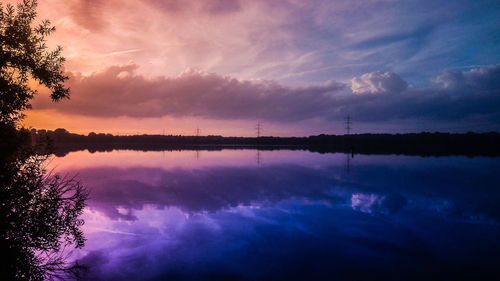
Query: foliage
{"points": [[39, 211], [39, 215], [24, 56]]}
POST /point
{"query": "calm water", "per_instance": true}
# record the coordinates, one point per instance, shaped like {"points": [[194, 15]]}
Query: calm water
{"points": [[287, 215]]}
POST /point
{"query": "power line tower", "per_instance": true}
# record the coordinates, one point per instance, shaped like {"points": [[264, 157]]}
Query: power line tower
{"points": [[258, 128], [348, 124], [197, 132]]}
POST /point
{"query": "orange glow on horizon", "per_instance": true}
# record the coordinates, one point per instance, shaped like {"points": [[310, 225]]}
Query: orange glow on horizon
{"points": [[51, 120]]}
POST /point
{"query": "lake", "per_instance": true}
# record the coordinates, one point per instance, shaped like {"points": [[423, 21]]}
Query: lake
{"points": [[286, 215]]}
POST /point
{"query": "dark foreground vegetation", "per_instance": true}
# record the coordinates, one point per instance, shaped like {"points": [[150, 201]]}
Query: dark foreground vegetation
{"points": [[425, 144], [39, 213], [39, 210]]}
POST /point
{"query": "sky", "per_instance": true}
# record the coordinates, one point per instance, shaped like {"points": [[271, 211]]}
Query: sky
{"points": [[297, 67]]}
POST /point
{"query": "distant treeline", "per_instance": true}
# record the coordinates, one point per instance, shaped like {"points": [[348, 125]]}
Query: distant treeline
{"points": [[425, 144]]}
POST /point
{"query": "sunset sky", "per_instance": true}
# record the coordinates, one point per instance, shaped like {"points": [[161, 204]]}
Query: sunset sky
{"points": [[297, 67]]}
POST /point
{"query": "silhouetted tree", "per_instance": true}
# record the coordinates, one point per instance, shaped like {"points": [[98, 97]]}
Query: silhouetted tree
{"points": [[39, 211], [23, 56], [39, 217]]}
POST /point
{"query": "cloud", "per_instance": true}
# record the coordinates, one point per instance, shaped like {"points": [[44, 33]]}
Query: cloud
{"points": [[456, 96], [266, 39], [378, 83], [377, 96], [117, 91], [484, 78]]}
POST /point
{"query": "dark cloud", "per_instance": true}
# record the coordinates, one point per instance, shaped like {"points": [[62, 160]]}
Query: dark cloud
{"points": [[118, 92], [480, 79], [456, 96], [375, 96]]}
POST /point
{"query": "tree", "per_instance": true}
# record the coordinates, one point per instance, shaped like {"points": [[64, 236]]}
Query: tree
{"points": [[24, 56], [39, 211], [39, 219]]}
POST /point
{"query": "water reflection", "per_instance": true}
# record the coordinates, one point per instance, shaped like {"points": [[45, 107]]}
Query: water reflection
{"points": [[204, 190], [381, 189], [377, 204], [295, 216]]}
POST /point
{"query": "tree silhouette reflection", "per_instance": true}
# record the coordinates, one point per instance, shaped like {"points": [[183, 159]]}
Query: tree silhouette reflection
{"points": [[39, 217]]}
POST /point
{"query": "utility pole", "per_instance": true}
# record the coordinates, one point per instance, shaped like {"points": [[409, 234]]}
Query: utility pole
{"points": [[258, 128], [348, 127], [348, 124]]}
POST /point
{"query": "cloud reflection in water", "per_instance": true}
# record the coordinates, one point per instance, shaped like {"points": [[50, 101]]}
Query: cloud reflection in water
{"points": [[293, 221]]}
